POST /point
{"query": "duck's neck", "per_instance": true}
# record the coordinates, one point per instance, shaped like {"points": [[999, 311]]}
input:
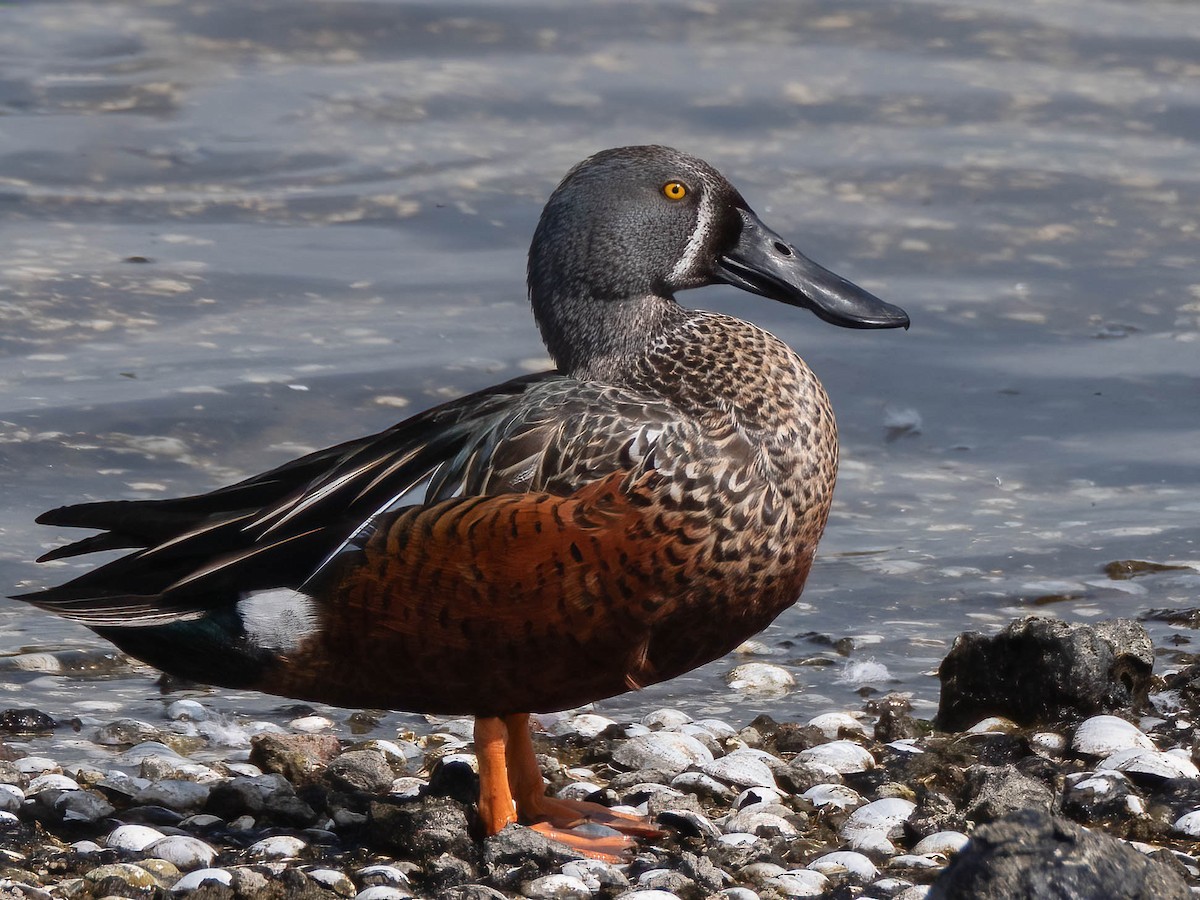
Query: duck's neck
{"points": [[597, 339]]}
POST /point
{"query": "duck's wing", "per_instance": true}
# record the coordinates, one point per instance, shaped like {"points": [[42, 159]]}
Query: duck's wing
{"points": [[278, 529]]}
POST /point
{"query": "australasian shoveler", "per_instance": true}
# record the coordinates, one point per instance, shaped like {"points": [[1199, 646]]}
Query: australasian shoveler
{"points": [[541, 544]]}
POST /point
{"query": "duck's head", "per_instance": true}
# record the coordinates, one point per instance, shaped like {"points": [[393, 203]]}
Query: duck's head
{"points": [[629, 227]]}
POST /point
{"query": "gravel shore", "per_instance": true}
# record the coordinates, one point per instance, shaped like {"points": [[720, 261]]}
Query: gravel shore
{"points": [[869, 802]]}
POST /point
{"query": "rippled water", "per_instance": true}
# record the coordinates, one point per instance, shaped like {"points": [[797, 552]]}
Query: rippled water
{"points": [[236, 232]]}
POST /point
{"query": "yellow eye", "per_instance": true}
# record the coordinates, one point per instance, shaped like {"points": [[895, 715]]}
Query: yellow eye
{"points": [[674, 190]]}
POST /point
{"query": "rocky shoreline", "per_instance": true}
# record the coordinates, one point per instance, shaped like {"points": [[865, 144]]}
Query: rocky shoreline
{"points": [[868, 803]]}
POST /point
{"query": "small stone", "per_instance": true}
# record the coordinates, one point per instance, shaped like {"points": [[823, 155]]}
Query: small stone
{"points": [[297, 757], [383, 874], [11, 797], [383, 892], [184, 851], [761, 678], [742, 768], [1105, 735], [132, 875], [193, 880], [133, 838], [556, 887], [844, 757], [881, 819], [801, 883], [942, 843], [596, 874], [280, 846], [35, 765], [860, 869], [173, 793], [51, 782], [665, 751], [333, 880], [189, 711], [834, 725], [360, 770], [835, 795]]}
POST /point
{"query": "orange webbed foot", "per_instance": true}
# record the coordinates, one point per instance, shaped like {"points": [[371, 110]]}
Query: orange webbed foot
{"points": [[561, 813], [591, 840]]}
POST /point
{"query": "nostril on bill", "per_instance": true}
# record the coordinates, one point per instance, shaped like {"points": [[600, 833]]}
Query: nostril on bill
{"points": [[782, 249]]}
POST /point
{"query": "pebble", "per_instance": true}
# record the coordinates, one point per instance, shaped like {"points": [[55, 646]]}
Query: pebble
{"points": [[836, 795], [333, 880], [741, 768], [833, 724], [194, 879], [280, 846], [556, 887], [761, 678], [186, 852], [870, 827], [1105, 735], [860, 869], [132, 837], [11, 797], [51, 782], [665, 751], [383, 892], [35, 765], [844, 757], [1142, 761], [800, 883], [941, 843]]}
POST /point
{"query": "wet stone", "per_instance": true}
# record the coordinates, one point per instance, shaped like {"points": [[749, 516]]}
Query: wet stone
{"points": [[995, 791], [297, 757], [1032, 854], [420, 829], [186, 852], [360, 770], [25, 721], [1080, 670]]}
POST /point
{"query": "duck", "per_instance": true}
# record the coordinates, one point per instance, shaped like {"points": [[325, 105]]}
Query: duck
{"points": [[564, 537]]}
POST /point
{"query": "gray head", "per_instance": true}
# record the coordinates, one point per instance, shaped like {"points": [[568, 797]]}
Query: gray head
{"points": [[629, 227]]}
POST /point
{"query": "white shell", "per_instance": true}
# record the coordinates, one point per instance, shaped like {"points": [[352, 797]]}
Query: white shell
{"points": [[51, 782], [666, 718], [586, 725], [753, 795], [914, 861], [132, 837], [1105, 735], [857, 866], [754, 820], [1189, 824], [741, 768], [333, 880], [698, 782], [836, 795], [184, 851], [34, 765], [189, 711], [841, 756], [1049, 743], [993, 725], [280, 846], [872, 826], [941, 843], [383, 892], [1150, 762], [800, 883], [556, 887], [193, 880], [832, 724], [760, 678], [666, 751]]}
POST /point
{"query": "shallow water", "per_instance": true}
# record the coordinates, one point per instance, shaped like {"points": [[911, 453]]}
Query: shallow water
{"points": [[333, 200]]}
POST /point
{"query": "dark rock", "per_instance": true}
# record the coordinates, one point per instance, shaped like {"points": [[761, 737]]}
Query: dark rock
{"points": [[895, 720], [517, 845], [1041, 671], [995, 791], [420, 829], [447, 871], [151, 815], [360, 770], [1030, 855], [239, 796], [1097, 797], [25, 721], [454, 779], [285, 809], [297, 757], [666, 880], [800, 776]]}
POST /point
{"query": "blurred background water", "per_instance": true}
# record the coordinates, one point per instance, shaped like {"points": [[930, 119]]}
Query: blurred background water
{"points": [[234, 232]]}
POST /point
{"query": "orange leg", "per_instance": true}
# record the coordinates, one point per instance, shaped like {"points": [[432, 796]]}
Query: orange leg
{"points": [[551, 816], [496, 807]]}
